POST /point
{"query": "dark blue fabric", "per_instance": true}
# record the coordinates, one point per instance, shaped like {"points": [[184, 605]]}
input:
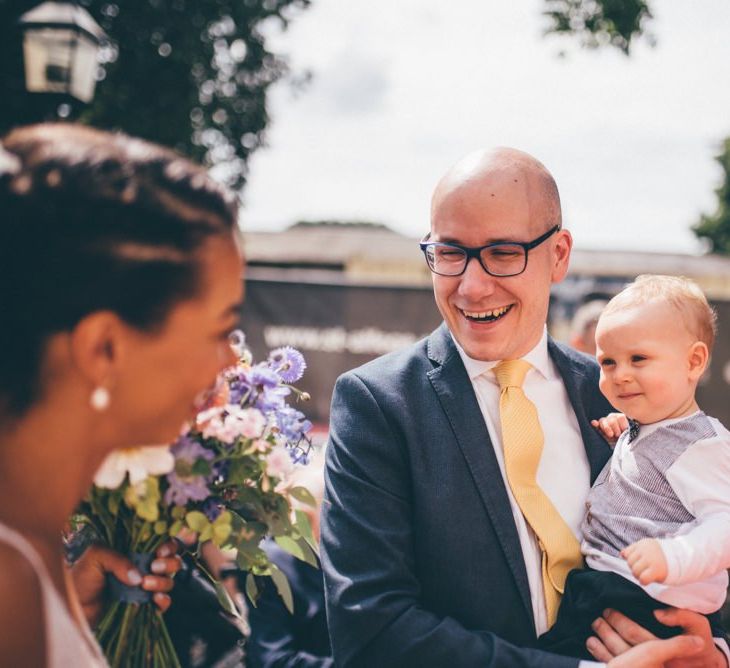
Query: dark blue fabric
{"points": [[283, 640], [587, 594], [422, 559]]}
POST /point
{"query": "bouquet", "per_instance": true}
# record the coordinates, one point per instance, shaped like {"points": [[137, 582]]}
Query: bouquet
{"points": [[225, 479]]}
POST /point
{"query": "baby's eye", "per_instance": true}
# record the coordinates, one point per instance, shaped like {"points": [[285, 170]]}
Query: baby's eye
{"points": [[638, 358], [607, 361]]}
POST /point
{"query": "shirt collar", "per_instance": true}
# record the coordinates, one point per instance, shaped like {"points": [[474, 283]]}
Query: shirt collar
{"points": [[538, 357]]}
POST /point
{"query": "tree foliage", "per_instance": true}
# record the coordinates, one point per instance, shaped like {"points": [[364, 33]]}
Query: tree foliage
{"points": [[600, 22], [191, 74], [716, 228]]}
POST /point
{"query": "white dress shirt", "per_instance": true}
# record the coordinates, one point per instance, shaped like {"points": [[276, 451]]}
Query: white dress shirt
{"points": [[563, 473]]}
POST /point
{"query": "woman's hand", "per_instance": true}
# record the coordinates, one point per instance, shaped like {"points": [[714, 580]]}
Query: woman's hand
{"points": [[88, 574], [622, 643]]}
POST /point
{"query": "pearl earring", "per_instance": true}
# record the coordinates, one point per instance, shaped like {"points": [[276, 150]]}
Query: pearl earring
{"points": [[100, 399]]}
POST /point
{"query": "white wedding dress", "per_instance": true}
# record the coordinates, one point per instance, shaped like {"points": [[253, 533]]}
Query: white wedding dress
{"points": [[66, 643]]}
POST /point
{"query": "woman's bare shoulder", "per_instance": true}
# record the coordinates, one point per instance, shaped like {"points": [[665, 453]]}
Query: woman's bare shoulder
{"points": [[22, 632]]}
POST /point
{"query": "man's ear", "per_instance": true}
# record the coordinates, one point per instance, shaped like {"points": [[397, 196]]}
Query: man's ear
{"points": [[96, 347], [698, 357], [561, 255]]}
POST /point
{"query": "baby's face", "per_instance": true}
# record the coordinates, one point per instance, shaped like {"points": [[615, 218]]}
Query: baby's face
{"points": [[645, 353]]}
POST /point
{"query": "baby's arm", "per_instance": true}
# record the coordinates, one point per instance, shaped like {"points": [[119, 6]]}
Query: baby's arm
{"points": [[701, 479]]}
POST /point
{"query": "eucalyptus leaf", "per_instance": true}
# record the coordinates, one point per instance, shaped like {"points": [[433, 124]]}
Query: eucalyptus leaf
{"points": [[298, 548], [282, 586], [304, 526], [303, 495], [252, 589], [225, 599]]}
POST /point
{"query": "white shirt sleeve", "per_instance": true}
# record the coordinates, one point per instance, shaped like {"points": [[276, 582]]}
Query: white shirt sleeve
{"points": [[701, 479]]}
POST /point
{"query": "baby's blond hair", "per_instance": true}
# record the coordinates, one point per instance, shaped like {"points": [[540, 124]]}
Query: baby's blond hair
{"points": [[680, 293]]}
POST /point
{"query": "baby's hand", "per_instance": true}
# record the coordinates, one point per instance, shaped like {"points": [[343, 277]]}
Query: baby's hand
{"points": [[611, 426], [646, 561]]}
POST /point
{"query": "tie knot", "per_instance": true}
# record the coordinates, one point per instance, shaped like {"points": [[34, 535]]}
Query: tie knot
{"points": [[511, 373]]}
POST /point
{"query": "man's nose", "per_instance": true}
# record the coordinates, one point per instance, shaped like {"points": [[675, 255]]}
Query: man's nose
{"points": [[475, 282]]}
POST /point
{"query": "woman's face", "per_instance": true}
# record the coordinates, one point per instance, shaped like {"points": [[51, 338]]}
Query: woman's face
{"points": [[162, 374]]}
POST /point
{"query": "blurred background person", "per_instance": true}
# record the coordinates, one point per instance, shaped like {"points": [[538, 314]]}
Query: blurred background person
{"points": [[583, 326]]}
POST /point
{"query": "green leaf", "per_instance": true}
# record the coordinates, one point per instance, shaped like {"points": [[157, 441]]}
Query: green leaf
{"points": [[252, 589], [297, 548], [304, 526], [282, 586], [303, 495], [225, 599], [113, 503]]}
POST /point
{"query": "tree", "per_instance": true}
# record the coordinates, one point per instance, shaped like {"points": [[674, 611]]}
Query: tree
{"points": [[716, 228], [600, 22], [188, 74]]}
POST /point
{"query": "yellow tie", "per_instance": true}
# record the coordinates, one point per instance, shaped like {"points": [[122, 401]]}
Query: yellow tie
{"points": [[522, 440]]}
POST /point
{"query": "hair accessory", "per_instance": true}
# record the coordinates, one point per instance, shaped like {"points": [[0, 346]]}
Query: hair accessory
{"points": [[100, 399]]}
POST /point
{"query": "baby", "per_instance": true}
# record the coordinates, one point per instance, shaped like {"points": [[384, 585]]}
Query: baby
{"points": [[656, 532]]}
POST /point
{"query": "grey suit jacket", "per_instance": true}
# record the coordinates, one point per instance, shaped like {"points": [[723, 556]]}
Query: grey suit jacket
{"points": [[420, 552]]}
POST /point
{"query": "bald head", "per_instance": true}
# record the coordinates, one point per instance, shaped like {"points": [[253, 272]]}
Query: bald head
{"points": [[503, 176]]}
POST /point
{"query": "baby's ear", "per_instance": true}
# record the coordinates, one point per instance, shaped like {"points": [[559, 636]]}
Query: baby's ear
{"points": [[697, 358]]}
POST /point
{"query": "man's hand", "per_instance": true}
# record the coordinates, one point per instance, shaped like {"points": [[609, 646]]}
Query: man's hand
{"points": [[89, 571], [611, 426], [622, 643], [646, 561]]}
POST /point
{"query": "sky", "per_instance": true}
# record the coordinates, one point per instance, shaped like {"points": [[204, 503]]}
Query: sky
{"points": [[401, 90]]}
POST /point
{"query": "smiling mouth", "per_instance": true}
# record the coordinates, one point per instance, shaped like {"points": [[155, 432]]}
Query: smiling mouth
{"points": [[487, 316]]}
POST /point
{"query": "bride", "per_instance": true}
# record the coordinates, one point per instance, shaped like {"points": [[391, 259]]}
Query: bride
{"points": [[120, 280]]}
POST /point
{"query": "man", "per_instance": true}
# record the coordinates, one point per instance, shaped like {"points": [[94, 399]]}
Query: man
{"points": [[428, 557]]}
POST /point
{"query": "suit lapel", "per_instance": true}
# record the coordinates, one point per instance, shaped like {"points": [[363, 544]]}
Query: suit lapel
{"points": [[455, 393], [580, 387]]}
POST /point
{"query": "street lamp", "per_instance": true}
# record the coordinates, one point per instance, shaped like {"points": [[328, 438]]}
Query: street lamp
{"points": [[60, 48]]}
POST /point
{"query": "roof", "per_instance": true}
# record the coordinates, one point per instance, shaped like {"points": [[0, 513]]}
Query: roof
{"points": [[377, 255]]}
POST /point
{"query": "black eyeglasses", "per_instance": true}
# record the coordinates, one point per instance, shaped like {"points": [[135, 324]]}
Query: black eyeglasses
{"points": [[497, 259]]}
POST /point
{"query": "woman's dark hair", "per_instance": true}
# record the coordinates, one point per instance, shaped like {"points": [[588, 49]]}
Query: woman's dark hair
{"points": [[91, 220]]}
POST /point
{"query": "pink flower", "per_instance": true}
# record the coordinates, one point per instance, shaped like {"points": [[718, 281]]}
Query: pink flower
{"points": [[228, 423], [279, 463]]}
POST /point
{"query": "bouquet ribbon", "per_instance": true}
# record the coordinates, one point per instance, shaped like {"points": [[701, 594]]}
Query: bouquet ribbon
{"points": [[132, 594]]}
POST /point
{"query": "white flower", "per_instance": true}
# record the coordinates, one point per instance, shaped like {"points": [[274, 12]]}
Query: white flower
{"points": [[138, 462]]}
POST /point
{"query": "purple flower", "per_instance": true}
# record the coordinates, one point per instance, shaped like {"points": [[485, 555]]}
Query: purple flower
{"points": [[185, 482], [288, 363], [184, 489], [258, 386], [212, 508], [292, 424]]}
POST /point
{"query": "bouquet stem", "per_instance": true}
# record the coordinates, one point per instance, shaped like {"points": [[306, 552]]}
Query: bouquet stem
{"points": [[134, 635]]}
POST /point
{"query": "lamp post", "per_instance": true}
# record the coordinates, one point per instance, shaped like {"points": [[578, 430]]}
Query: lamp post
{"points": [[60, 48]]}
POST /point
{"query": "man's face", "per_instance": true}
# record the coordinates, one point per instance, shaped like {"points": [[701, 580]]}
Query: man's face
{"points": [[496, 318]]}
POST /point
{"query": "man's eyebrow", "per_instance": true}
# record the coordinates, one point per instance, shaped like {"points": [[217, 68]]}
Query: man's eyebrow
{"points": [[450, 240]]}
